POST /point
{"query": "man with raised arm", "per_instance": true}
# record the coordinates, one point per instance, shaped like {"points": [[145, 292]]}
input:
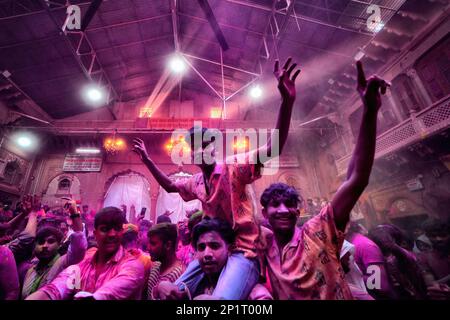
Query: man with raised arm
{"points": [[303, 263], [221, 189]]}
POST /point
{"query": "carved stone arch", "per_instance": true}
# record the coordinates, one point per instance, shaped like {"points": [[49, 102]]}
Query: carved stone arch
{"points": [[53, 194]]}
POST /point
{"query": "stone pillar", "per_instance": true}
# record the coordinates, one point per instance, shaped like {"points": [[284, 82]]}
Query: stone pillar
{"points": [[153, 198], [423, 94], [395, 108]]}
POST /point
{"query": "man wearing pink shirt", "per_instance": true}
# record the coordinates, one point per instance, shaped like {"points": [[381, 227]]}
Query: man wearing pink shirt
{"points": [[221, 188], [106, 273], [303, 263]]}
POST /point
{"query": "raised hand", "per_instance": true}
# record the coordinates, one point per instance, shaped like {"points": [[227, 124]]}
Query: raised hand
{"points": [[370, 90], [286, 83], [72, 206], [133, 217], [31, 203], [139, 148]]}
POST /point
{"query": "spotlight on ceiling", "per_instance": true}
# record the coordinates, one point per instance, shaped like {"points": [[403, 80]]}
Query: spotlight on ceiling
{"points": [[256, 92], [94, 94], [24, 141], [177, 64]]}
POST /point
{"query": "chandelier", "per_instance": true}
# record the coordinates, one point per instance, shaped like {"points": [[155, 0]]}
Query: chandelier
{"points": [[181, 144], [114, 144]]}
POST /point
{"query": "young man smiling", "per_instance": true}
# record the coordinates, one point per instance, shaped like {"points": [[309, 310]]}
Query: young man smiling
{"points": [[304, 263]]}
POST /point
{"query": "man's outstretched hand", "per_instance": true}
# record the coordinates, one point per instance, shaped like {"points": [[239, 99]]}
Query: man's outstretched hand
{"points": [[31, 203], [167, 213], [370, 90], [286, 83], [139, 148]]}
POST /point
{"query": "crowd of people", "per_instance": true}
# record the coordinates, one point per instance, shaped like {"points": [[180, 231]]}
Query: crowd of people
{"points": [[221, 252]]}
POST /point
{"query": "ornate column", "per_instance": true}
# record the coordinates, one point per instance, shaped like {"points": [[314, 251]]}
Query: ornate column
{"points": [[395, 108], [423, 94]]}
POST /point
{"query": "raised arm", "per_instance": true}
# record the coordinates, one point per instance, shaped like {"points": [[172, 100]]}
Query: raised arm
{"points": [[133, 218], [32, 205], [286, 86], [78, 242], [23, 245], [161, 177], [13, 223], [360, 166]]}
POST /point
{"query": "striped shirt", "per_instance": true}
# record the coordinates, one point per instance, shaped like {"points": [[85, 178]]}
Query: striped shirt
{"points": [[156, 277]]}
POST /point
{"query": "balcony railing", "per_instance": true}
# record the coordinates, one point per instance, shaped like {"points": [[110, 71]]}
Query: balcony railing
{"points": [[419, 126]]}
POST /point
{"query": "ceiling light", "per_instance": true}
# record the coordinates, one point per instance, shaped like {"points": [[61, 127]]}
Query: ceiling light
{"points": [[177, 64], [256, 92], [94, 95], [24, 141]]}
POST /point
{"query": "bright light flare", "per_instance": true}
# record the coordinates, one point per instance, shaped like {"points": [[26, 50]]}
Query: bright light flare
{"points": [[256, 92]]}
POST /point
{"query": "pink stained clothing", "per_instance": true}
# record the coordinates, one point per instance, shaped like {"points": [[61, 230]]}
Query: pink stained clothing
{"points": [[309, 267], [185, 254], [9, 281], [366, 252], [228, 199], [260, 292], [123, 279]]}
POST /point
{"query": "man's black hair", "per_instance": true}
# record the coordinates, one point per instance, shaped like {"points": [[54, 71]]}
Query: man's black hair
{"points": [[194, 220], [166, 232], [281, 192], [47, 231], [145, 224], [129, 237], [109, 216], [222, 227], [163, 219], [195, 130], [189, 137]]}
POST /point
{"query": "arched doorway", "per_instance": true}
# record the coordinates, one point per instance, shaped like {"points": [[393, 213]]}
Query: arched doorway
{"points": [[174, 202], [63, 185], [128, 188]]}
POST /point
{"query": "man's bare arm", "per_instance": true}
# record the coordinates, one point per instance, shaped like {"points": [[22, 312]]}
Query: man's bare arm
{"points": [[161, 177], [360, 166]]}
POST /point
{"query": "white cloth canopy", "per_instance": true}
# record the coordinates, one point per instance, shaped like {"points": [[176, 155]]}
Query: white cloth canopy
{"points": [[173, 202], [128, 190]]}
